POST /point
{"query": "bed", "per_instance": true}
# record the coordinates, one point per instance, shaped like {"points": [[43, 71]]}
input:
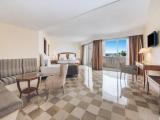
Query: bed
{"points": [[50, 69], [68, 57]]}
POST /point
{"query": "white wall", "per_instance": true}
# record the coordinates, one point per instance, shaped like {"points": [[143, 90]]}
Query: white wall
{"points": [[42, 36], [17, 42], [59, 46], [153, 25]]}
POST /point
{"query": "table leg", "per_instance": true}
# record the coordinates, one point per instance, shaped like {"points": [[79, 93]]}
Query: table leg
{"points": [[147, 86], [19, 88], [29, 87], [144, 75], [38, 85], [159, 99]]}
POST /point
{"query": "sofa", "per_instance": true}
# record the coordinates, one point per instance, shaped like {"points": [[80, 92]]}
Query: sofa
{"points": [[9, 69]]}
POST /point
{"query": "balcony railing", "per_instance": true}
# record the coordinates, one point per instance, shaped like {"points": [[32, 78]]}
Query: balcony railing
{"points": [[113, 61]]}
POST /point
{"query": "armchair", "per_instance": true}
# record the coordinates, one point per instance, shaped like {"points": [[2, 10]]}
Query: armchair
{"points": [[57, 80]]}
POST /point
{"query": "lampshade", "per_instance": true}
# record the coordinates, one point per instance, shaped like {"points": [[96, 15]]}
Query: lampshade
{"points": [[143, 50]]}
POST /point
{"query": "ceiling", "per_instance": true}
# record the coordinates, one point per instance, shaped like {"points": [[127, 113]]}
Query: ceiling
{"points": [[75, 18]]}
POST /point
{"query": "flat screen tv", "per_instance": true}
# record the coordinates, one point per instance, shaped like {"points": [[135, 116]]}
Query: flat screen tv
{"points": [[153, 39]]}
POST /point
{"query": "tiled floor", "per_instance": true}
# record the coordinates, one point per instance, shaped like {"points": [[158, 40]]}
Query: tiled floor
{"points": [[94, 95]]}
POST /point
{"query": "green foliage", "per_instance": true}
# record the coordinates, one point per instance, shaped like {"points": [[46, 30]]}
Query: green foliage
{"points": [[122, 53]]}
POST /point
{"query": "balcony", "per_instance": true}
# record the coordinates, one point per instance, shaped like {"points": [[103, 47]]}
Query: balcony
{"points": [[113, 61]]}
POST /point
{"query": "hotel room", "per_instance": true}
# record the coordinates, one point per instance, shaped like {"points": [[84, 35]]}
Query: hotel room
{"points": [[80, 60]]}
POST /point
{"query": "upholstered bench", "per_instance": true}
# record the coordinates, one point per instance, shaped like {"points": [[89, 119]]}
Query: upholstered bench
{"points": [[9, 69], [9, 102]]}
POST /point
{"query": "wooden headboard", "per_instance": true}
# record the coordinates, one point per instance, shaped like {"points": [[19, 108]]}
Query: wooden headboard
{"points": [[67, 54]]}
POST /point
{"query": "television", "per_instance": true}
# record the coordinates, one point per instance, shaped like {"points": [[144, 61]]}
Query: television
{"points": [[153, 39]]}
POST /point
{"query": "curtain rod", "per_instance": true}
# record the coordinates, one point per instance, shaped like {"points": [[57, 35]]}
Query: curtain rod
{"points": [[115, 38]]}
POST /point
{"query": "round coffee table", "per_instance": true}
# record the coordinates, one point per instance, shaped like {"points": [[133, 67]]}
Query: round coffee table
{"points": [[28, 77]]}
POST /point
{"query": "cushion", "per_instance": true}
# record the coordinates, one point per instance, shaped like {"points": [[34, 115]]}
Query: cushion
{"points": [[62, 57], [29, 65], [1, 83], [9, 80], [72, 57], [44, 60], [9, 102], [10, 67]]}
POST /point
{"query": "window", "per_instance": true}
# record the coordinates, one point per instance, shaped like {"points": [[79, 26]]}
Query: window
{"points": [[115, 52], [116, 47]]}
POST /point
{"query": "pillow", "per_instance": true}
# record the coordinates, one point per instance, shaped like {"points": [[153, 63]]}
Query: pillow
{"points": [[72, 57], [45, 60], [62, 57]]}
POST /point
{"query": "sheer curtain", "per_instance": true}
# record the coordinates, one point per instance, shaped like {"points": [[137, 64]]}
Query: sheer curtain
{"points": [[88, 54]]}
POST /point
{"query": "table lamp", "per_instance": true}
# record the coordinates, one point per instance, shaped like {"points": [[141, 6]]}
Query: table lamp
{"points": [[142, 52]]}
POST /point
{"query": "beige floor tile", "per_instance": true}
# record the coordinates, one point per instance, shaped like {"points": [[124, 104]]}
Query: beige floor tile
{"points": [[61, 115], [43, 116], [78, 112], [96, 102], [71, 117], [83, 105], [53, 110], [75, 101], [61, 103], [132, 114], [106, 106], [82, 92], [87, 99], [35, 113], [93, 109], [118, 110], [104, 114], [117, 117], [46, 106], [100, 118], [88, 116], [73, 94], [30, 108], [69, 107]]}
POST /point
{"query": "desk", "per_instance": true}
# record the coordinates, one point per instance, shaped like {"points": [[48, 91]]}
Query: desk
{"points": [[156, 81], [145, 67]]}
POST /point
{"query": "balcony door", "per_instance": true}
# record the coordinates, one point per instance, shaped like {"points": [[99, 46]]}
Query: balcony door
{"points": [[88, 54], [115, 52]]}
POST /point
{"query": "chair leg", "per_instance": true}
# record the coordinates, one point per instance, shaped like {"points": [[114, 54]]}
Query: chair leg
{"points": [[132, 78], [136, 77], [125, 79], [63, 89], [120, 75], [47, 96]]}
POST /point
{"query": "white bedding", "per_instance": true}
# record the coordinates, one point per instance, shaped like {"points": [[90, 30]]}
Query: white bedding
{"points": [[51, 69], [68, 61]]}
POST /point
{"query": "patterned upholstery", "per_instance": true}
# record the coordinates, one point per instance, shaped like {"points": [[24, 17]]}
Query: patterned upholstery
{"points": [[58, 80], [10, 67], [1, 83], [9, 80], [9, 102], [29, 65]]}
